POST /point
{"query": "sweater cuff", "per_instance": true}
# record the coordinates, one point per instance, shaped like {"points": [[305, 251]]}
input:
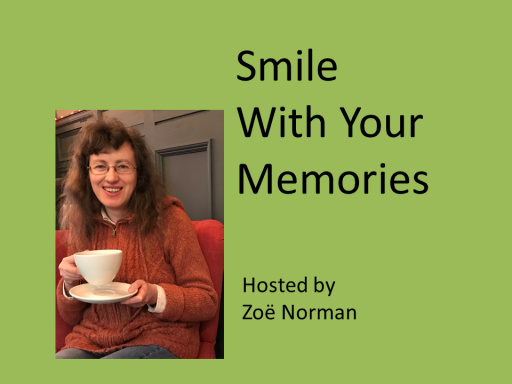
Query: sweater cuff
{"points": [[66, 301], [161, 301], [64, 293], [175, 303]]}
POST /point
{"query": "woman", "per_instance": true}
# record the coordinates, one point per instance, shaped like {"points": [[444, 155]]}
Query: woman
{"points": [[115, 200]]}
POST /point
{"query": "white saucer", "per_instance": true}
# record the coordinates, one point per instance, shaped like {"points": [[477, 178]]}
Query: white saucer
{"points": [[112, 293]]}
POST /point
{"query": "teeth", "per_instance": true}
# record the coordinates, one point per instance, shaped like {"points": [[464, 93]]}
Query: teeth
{"points": [[112, 190]]}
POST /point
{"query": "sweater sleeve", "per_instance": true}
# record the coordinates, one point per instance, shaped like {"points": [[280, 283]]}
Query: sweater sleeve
{"points": [[71, 311], [192, 298]]}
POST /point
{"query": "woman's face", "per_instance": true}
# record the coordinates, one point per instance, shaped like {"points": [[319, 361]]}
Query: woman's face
{"points": [[112, 189]]}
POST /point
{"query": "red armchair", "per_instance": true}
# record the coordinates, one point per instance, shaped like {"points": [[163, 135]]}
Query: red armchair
{"points": [[210, 234]]}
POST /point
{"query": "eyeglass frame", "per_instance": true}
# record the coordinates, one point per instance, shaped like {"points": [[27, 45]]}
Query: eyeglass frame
{"points": [[132, 167]]}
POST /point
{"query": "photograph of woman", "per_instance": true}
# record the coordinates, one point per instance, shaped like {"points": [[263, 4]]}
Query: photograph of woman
{"points": [[115, 199]]}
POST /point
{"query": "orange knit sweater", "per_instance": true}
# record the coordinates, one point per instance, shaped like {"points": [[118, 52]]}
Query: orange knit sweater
{"points": [[180, 269]]}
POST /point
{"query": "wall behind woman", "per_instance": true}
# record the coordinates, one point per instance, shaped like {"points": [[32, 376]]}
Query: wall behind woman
{"points": [[189, 152]]}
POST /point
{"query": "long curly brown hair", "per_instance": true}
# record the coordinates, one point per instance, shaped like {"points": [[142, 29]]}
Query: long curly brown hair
{"points": [[81, 204]]}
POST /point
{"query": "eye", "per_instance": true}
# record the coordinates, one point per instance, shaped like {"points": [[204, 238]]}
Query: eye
{"points": [[99, 167], [123, 166]]}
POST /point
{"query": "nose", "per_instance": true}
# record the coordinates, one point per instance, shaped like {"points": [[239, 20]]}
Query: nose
{"points": [[111, 176]]}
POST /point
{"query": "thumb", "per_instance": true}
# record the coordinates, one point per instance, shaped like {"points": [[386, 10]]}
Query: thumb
{"points": [[135, 286]]}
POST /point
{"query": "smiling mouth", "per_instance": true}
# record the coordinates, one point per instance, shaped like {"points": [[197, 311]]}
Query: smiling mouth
{"points": [[112, 190]]}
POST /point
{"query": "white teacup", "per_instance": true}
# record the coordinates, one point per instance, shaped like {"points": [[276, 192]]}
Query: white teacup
{"points": [[99, 267]]}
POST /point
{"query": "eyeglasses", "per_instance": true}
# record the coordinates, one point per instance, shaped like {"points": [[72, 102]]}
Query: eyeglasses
{"points": [[102, 169]]}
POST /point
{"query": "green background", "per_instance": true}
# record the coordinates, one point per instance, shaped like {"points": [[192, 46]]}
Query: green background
{"points": [[429, 275]]}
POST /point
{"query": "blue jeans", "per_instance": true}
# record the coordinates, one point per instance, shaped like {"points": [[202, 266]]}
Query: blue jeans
{"points": [[138, 352]]}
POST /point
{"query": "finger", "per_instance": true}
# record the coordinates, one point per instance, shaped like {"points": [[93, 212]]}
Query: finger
{"points": [[135, 301], [143, 291], [70, 259], [138, 300], [70, 273], [74, 271], [68, 265], [137, 284], [71, 276], [140, 297], [130, 302], [67, 275]]}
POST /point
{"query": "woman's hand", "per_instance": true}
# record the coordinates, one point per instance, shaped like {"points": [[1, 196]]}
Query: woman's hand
{"points": [[69, 272], [147, 294]]}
